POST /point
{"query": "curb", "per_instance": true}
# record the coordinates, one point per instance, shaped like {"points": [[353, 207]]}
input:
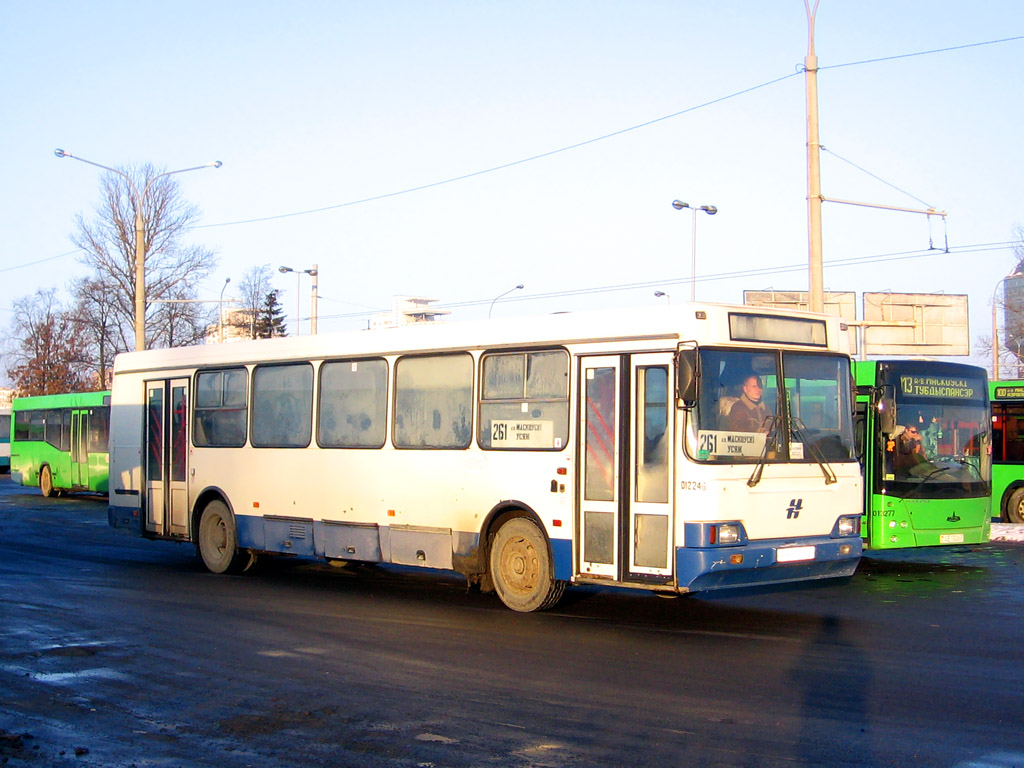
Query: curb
{"points": [[1007, 532]]}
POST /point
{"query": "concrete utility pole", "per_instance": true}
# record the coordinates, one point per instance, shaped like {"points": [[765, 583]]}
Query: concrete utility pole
{"points": [[816, 278], [140, 235]]}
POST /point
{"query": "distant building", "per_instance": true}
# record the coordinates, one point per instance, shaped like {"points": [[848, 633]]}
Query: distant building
{"points": [[236, 327], [407, 310], [6, 395]]}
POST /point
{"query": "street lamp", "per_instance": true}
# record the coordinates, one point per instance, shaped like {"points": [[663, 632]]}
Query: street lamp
{"points": [[140, 239], [506, 293], [220, 309], [995, 325], [662, 294], [298, 277], [710, 210]]}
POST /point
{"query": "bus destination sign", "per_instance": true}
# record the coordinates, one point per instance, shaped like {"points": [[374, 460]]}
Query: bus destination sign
{"points": [[941, 386], [1010, 393]]}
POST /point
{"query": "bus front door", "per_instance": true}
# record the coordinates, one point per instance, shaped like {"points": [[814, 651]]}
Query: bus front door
{"points": [[167, 458], [626, 523], [79, 448]]}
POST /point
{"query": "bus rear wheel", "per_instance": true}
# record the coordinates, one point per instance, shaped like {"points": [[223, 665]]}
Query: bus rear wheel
{"points": [[46, 482], [1015, 507], [521, 567], [218, 540]]}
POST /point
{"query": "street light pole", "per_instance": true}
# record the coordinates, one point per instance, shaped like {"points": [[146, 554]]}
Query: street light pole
{"points": [[500, 295], [220, 310], [312, 310], [298, 302], [140, 235], [710, 210]]}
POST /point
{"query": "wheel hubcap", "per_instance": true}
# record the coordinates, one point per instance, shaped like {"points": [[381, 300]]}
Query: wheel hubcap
{"points": [[521, 565]]}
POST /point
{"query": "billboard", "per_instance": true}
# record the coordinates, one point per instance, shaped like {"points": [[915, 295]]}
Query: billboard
{"points": [[839, 303], [915, 324]]}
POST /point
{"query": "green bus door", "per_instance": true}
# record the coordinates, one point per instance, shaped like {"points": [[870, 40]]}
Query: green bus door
{"points": [[79, 448]]}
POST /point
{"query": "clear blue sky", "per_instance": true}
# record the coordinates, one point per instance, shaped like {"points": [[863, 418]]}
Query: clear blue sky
{"points": [[316, 105]]}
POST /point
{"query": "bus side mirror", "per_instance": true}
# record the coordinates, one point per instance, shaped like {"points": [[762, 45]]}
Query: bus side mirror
{"points": [[886, 415], [686, 381]]}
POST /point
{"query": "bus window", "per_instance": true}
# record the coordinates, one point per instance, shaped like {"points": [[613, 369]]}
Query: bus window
{"points": [[653, 443], [524, 401], [98, 430], [52, 428], [353, 404], [433, 402], [220, 410], [282, 405]]}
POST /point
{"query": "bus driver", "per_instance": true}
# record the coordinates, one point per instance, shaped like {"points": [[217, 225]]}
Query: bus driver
{"points": [[749, 413]]}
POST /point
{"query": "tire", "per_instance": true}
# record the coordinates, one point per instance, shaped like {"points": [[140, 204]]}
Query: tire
{"points": [[218, 540], [46, 482], [521, 567], [1015, 507]]}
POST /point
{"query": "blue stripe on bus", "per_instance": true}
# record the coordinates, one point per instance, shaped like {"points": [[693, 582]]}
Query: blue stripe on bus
{"points": [[561, 550], [709, 568]]}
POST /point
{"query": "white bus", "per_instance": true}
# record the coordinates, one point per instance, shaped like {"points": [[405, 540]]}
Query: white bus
{"points": [[526, 454]]}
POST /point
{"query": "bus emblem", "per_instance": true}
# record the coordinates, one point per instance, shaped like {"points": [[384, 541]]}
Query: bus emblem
{"points": [[795, 505]]}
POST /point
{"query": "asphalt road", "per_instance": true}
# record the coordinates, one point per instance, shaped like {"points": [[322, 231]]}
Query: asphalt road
{"points": [[116, 651]]}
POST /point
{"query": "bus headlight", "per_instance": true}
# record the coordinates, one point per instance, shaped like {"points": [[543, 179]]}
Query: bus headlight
{"points": [[728, 534], [848, 526]]}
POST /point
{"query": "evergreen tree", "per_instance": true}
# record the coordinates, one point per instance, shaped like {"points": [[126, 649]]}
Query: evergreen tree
{"points": [[270, 320]]}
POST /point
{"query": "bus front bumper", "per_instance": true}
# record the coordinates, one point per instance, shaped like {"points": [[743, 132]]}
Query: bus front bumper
{"points": [[764, 562]]}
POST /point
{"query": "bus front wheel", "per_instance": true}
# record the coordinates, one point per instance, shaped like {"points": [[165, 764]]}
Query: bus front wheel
{"points": [[521, 568], [218, 540], [1015, 507], [46, 482]]}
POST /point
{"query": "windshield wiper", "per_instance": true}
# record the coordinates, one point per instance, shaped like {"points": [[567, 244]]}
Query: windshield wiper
{"points": [[769, 439], [816, 454], [925, 479]]}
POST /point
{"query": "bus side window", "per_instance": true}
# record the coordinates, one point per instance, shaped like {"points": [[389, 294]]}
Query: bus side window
{"points": [[353, 404], [282, 405], [219, 416], [433, 402], [524, 400]]}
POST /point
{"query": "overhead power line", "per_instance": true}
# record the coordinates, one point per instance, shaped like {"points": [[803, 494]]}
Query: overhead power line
{"points": [[855, 261], [593, 140]]}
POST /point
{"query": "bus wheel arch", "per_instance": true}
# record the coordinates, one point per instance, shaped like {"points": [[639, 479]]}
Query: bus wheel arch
{"points": [[1013, 505], [520, 561], [215, 535]]}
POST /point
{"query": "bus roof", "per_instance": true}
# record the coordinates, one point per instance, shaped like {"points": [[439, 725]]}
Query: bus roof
{"points": [[63, 400], [706, 322]]}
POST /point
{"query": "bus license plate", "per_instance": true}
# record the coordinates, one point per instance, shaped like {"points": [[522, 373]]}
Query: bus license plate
{"points": [[794, 554], [951, 538]]}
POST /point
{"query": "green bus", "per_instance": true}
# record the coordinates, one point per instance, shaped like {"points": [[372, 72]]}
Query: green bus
{"points": [[59, 442], [1007, 450], [924, 432]]}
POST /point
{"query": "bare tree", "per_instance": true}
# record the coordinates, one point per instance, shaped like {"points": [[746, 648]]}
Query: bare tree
{"points": [[101, 334], [259, 314], [253, 289], [1012, 302], [173, 267], [48, 356]]}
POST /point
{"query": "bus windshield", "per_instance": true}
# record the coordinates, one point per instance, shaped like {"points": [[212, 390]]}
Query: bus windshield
{"points": [[773, 407], [939, 445]]}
